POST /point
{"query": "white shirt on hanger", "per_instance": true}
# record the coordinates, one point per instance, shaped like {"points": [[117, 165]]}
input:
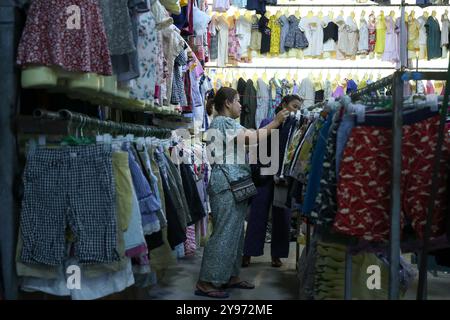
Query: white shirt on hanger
{"points": [[312, 27], [363, 45], [422, 31], [222, 34], [262, 101], [307, 92], [243, 31]]}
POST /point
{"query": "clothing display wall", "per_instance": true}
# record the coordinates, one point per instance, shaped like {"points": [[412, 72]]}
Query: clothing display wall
{"points": [[368, 33], [121, 211]]}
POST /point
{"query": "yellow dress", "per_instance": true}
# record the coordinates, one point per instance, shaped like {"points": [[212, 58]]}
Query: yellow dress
{"points": [[381, 35], [413, 35], [275, 30]]}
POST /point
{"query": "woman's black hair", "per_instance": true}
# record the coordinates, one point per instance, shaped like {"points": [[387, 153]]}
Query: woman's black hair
{"points": [[286, 100], [218, 100]]}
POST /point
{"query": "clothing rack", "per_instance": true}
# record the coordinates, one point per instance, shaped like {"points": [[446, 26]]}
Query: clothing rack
{"points": [[66, 119], [396, 81]]}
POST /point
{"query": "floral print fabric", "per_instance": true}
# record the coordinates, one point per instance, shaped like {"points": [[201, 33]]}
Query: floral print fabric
{"points": [[143, 88], [48, 41]]}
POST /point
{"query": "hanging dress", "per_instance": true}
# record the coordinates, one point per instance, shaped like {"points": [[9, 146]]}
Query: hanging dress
{"points": [[390, 49], [372, 25], [422, 37], [381, 35], [352, 36], [342, 44], [275, 34], [413, 37], [363, 44]]}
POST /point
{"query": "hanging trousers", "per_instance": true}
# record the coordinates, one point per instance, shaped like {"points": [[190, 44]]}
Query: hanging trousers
{"points": [[257, 225]]}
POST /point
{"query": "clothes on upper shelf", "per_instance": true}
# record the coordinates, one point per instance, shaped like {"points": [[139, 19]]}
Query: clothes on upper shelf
{"points": [[342, 37]]}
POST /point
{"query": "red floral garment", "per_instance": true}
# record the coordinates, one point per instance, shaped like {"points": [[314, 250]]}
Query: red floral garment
{"points": [[51, 38], [364, 186]]}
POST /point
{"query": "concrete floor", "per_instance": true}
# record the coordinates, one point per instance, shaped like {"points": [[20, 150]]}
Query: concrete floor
{"points": [[271, 283]]}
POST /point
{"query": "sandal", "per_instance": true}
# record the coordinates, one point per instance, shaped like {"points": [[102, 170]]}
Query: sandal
{"points": [[241, 285], [216, 294], [276, 263]]}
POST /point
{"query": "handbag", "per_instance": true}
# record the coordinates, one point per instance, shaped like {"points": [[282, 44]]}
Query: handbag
{"points": [[242, 189]]}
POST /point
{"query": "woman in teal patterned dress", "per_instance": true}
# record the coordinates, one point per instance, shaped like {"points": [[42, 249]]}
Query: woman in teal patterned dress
{"points": [[222, 255]]}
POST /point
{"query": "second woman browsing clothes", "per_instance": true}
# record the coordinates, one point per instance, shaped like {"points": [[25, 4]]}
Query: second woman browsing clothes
{"points": [[263, 202]]}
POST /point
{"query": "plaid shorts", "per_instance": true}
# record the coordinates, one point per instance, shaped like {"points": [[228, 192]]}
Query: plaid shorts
{"points": [[70, 187]]}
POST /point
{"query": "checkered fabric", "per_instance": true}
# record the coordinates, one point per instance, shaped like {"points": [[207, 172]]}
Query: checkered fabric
{"points": [[70, 187], [178, 94]]}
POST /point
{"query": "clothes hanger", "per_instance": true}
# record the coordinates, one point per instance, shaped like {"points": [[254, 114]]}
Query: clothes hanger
{"points": [[289, 76], [330, 14], [279, 13], [320, 14], [264, 75]]}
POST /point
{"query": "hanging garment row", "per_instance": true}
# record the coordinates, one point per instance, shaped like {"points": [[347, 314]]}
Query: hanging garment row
{"points": [[336, 168], [116, 210], [239, 37], [260, 97], [260, 6], [127, 50]]}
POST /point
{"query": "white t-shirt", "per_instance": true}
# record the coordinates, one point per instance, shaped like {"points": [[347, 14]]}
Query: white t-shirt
{"points": [[422, 31], [243, 31], [307, 92], [313, 29], [222, 35]]}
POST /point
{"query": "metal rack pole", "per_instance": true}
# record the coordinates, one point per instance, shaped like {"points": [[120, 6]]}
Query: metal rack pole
{"points": [[422, 290], [308, 236], [397, 123], [394, 252], [105, 126], [348, 275]]}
